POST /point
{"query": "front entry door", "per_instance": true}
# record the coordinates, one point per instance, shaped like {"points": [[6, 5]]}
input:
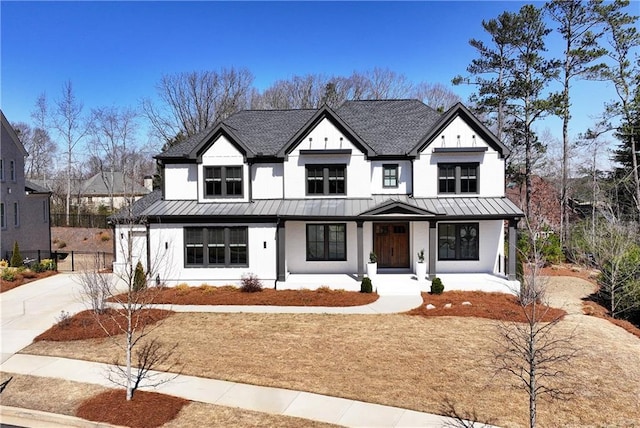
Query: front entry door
{"points": [[391, 244]]}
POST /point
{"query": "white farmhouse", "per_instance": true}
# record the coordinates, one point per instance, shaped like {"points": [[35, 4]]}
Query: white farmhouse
{"points": [[291, 194]]}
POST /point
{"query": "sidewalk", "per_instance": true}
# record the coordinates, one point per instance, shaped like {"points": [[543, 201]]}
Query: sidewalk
{"points": [[32, 308], [285, 402]]}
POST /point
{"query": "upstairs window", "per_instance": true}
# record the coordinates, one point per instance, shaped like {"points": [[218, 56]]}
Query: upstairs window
{"points": [[12, 170], [326, 180], [458, 178], [223, 181], [16, 214], [389, 176], [1, 169], [3, 216]]}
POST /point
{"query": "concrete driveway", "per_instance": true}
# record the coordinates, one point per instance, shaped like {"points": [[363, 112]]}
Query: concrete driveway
{"points": [[32, 308]]}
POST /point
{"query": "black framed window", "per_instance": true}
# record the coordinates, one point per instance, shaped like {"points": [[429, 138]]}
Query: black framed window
{"points": [[1, 169], [327, 242], [458, 178], [216, 246], [458, 241], [389, 175], [223, 181], [326, 179], [3, 216], [12, 170]]}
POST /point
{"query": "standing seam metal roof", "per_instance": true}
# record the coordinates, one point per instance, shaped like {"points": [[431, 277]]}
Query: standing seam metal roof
{"points": [[467, 207]]}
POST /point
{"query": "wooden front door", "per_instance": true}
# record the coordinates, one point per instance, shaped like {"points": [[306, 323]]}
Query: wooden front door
{"points": [[391, 244]]}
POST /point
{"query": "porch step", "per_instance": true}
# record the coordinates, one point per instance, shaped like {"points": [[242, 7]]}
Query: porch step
{"points": [[389, 286]]}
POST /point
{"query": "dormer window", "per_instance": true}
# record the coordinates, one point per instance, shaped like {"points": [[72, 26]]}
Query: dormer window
{"points": [[326, 180], [223, 181], [458, 178]]}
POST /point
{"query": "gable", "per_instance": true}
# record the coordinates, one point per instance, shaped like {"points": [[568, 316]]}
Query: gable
{"points": [[397, 207], [327, 138], [221, 148], [325, 124], [227, 137], [473, 135]]}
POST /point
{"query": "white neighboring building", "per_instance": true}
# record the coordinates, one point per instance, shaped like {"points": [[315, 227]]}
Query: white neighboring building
{"points": [[287, 192]]}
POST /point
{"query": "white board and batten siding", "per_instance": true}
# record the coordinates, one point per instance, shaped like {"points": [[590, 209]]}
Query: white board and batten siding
{"points": [[180, 182], [267, 180], [404, 178], [491, 169], [223, 153], [261, 256], [325, 136]]}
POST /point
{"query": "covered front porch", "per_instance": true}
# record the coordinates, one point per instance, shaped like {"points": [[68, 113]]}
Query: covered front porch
{"points": [[395, 282]]}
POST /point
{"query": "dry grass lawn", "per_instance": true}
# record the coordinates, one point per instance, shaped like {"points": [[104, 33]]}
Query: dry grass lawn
{"points": [[66, 397], [400, 360]]}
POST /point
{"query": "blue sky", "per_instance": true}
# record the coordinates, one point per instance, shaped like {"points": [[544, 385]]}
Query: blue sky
{"points": [[115, 52]]}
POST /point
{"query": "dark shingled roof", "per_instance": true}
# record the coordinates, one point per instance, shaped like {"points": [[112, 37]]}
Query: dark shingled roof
{"points": [[267, 131], [389, 127]]}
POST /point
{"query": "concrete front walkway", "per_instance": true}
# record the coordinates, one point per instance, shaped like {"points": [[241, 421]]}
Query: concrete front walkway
{"points": [[32, 308]]}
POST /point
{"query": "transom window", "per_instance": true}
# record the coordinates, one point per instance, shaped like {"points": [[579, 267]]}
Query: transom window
{"points": [[222, 181], [326, 179], [458, 241], [216, 246], [458, 178], [326, 242], [389, 175]]}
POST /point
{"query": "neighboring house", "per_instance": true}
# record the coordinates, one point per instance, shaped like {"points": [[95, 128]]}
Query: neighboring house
{"points": [[102, 187], [288, 192], [24, 206]]}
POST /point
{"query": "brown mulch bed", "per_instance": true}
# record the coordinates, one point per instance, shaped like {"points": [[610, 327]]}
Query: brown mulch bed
{"points": [[22, 279], [569, 270], [228, 295], [145, 410], [89, 325], [496, 306], [589, 307]]}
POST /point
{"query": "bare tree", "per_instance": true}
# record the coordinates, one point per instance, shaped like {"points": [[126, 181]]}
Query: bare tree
{"points": [[114, 135], [193, 101], [437, 96], [535, 353], [72, 128]]}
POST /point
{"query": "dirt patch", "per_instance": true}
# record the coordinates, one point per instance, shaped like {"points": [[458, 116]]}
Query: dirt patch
{"points": [[228, 295], [145, 410], [64, 239], [496, 306], [89, 325]]}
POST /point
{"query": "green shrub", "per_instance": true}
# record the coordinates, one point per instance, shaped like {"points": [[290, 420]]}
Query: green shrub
{"points": [[250, 283], [9, 274], [366, 286], [139, 278], [48, 264], [16, 257], [437, 287], [373, 257], [37, 267]]}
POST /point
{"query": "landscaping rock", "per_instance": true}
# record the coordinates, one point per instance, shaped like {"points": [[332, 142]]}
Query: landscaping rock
{"points": [[466, 303], [447, 306], [430, 306]]}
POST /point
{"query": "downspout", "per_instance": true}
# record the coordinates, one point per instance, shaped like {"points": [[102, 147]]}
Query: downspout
{"points": [[148, 247], [250, 164]]}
